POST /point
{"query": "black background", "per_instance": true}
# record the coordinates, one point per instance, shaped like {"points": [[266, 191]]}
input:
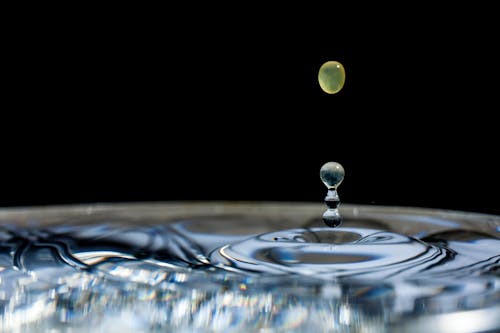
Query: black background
{"points": [[127, 104]]}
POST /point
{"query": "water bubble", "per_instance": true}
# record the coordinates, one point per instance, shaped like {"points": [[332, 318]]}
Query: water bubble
{"points": [[332, 174], [331, 77]]}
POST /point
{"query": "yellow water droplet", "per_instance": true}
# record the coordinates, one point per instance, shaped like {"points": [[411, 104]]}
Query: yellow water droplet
{"points": [[331, 77]]}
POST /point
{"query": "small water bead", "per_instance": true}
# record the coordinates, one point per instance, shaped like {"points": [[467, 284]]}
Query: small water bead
{"points": [[332, 218], [332, 174], [331, 77]]}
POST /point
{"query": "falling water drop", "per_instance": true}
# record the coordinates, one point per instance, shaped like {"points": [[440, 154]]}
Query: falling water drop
{"points": [[331, 77], [332, 174]]}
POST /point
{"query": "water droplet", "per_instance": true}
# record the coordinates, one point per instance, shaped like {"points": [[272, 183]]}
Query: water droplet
{"points": [[332, 174], [331, 77], [332, 218]]}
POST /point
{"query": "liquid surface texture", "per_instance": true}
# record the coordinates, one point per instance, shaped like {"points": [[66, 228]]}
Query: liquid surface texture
{"points": [[247, 267]]}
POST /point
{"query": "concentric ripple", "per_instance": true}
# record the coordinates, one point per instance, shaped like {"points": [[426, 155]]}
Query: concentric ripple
{"points": [[330, 253]]}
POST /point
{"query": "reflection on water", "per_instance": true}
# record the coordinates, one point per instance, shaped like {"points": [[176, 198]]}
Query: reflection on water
{"points": [[244, 273]]}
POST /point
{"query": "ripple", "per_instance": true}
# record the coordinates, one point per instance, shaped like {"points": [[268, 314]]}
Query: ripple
{"points": [[329, 253], [185, 275]]}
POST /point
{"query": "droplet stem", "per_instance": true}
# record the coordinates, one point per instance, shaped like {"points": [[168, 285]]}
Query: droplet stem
{"points": [[332, 174]]}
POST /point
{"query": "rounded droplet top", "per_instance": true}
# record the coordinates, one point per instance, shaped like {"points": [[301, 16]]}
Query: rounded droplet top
{"points": [[331, 77], [332, 174]]}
